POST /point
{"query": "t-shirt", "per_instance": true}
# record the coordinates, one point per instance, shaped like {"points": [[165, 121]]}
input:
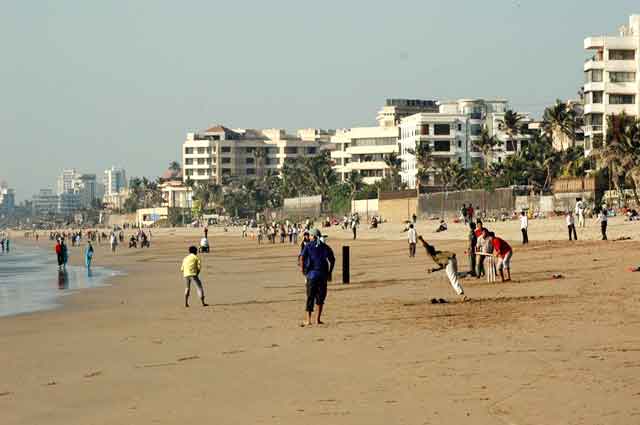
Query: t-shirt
{"points": [[190, 265], [318, 260], [411, 234], [478, 232], [570, 220], [524, 222], [501, 246]]}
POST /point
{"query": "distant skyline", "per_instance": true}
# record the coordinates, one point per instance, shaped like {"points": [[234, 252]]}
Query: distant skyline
{"points": [[88, 85]]}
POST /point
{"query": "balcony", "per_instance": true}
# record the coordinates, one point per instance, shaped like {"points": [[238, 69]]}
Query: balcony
{"points": [[593, 64], [594, 108], [594, 43], [593, 128]]}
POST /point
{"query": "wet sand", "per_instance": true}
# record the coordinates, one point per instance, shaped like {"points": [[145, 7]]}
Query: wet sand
{"points": [[533, 351]]}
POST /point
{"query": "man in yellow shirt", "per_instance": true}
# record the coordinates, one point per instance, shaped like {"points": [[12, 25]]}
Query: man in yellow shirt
{"points": [[190, 270]]}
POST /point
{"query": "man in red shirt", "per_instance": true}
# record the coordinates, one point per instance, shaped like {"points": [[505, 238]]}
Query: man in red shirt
{"points": [[503, 251], [59, 254]]}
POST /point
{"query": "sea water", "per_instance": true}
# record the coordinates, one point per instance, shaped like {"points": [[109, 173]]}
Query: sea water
{"points": [[30, 280]]}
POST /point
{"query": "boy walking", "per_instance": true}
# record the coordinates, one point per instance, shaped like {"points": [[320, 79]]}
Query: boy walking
{"points": [[316, 263], [190, 269]]}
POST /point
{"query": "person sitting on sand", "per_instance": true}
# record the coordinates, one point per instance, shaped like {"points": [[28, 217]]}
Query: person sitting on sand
{"points": [[190, 269], [445, 260], [316, 263], [442, 227]]}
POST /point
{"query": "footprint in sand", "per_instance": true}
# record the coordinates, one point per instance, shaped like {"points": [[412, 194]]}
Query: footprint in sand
{"points": [[5, 393], [93, 374]]}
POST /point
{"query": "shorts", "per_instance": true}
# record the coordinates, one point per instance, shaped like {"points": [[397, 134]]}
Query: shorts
{"points": [[316, 292], [505, 262]]}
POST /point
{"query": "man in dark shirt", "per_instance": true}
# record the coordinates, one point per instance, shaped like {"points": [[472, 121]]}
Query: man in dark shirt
{"points": [[317, 262]]}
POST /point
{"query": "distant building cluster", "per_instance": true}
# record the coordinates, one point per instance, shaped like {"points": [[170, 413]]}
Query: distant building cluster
{"points": [[7, 199]]}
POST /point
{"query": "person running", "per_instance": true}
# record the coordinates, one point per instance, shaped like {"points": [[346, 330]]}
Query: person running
{"points": [[59, 256], [524, 226], [317, 262], [445, 260], [88, 255], [411, 236], [190, 269], [571, 226], [602, 217], [502, 250]]}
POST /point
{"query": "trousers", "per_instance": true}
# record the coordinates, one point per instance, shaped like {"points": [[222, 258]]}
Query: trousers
{"points": [[452, 274]]}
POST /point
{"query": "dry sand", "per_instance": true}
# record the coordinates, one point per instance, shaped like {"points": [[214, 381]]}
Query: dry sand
{"points": [[533, 351]]}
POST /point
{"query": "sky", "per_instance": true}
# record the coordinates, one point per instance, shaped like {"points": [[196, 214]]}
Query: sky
{"points": [[91, 84]]}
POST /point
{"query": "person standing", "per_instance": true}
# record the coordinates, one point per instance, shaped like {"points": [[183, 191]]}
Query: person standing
{"points": [[206, 231], [113, 241], [65, 254], [354, 227], [571, 226], [579, 211], [88, 254], [470, 213], [524, 226], [59, 256], [414, 218], [445, 260], [473, 240], [483, 247], [463, 213], [412, 236], [602, 217], [191, 267], [317, 263]]}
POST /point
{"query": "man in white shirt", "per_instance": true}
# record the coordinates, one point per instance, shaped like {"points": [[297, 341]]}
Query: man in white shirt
{"points": [[579, 211], [524, 225], [412, 237]]}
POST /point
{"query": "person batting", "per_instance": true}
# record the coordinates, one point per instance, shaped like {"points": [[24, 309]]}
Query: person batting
{"points": [[445, 260]]}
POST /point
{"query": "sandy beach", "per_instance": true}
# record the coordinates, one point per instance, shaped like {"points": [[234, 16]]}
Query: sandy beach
{"points": [[536, 350]]}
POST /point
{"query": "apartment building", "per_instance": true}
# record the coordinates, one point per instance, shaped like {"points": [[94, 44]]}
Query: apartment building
{"points": [[447, 137], [220, 152], [87, 188], [611, 84], [452, 133], [395, 109], [7, 198], [45, 202], [65, 180], [363, 150], [114, 181]]}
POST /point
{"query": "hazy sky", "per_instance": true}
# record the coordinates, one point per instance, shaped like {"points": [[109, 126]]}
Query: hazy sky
{"points": [[90, 84]]}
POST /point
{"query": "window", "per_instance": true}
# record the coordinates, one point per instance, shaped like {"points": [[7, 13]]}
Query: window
{"points": [[291, 150], [511, 145], [188, 151], [622, 77], [249, 161], [272, 151], [250, 150], [226, 160], [597, 141], [424, 130], [250, 171], [270, 161], [188, 161], [189, 172], [622, 55], [225, 149], [442, 146], [622, 99], [593, 76], [441, 129], [587, 143], [475, 129], [459, 127], [312, 151], [459, 143], [524, 144], [596, 97], [459, 160], [200, 161], [226, 171], [201, 172], [200, 151]]}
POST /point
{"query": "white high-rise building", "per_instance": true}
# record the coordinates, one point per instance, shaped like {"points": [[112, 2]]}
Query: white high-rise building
{"points": [[220, 152], [364, 150], [611, 84], [66, 180], [451, 134], [115, 180], [86, 187]]}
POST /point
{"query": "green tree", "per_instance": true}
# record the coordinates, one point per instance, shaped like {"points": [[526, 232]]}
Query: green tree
{"points": [[511, 124]]}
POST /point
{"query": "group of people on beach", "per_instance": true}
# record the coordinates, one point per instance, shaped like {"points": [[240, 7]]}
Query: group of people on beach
{"points": [[5, 243]]}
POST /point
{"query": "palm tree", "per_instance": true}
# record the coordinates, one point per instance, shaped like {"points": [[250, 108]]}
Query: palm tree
{"points": [[486, 144], [394, 162], [355, 182], [512, 125], [174, 166], [560, 122], [259, 154]]}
